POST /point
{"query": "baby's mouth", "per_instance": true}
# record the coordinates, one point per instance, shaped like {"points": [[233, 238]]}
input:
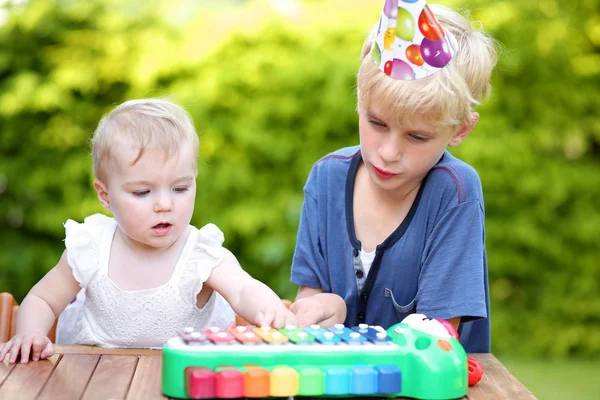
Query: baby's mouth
{"points": [[161, 226]]}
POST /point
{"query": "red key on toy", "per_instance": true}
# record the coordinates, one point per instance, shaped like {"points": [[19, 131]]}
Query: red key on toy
{"points": [[229, 384], [219, 336], [200, 383]]}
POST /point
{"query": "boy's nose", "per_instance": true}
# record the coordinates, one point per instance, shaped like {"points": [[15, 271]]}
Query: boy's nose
{"points": [[391, 151]]}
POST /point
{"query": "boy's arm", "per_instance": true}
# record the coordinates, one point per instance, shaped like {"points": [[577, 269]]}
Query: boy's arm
{"points": [[312, 306], [251, 299]]}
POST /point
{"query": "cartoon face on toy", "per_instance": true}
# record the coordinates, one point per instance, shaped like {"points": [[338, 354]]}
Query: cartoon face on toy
{"points": [[421, 323]]}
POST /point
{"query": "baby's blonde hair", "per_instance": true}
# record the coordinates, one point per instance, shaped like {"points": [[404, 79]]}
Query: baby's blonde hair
{"points": [[152, 124], [445, 99]]}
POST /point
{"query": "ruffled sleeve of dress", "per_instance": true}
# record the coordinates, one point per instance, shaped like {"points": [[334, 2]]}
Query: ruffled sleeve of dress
{"points": [[207, 253], [83, 243]]}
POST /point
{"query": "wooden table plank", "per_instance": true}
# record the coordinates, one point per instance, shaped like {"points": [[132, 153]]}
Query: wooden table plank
{"points": [[5, 369], [112, 377], [26, 380], [497, 382], [70, 377], [147, 381], [84, 349]]}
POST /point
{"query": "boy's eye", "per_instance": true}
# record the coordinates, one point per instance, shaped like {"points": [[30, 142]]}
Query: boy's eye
{"points": [[180, 189], [418, 138], [141, 193], [376, 123]]}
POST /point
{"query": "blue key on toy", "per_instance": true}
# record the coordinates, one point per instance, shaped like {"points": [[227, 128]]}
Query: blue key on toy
{"points": [[390, 379], [337, 381], [373, 334], [323, 335], [348, 335], [364, 380]]}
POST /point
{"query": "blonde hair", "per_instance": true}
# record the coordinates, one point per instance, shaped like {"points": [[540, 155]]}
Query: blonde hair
{"points": [[152, 124], [445, 99]]}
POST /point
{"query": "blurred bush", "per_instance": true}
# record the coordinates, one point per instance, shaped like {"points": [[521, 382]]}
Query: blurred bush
{"points": [[269, 102]]}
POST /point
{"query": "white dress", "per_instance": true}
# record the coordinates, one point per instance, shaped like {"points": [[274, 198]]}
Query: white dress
{"points": [[104, 315]]}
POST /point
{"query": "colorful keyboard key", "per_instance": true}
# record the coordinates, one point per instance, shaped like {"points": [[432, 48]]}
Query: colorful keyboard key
{"points": [[364, 380], [245, 334], [199, 383], [347, 334], [284, 382], [337, 381], [297, 335], [323, 335], [219, 336], [311, 381], [271, 335], [390, 379], [229, 384], [374, 334], [257, 382]]}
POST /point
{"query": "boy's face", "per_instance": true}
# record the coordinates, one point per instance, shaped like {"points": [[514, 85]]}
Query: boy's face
{"points": [[153, 199], [397, 157]]}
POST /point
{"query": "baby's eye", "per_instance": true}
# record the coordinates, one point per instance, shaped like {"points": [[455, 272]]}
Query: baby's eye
{"points": [[141, 193], [180, 189]]}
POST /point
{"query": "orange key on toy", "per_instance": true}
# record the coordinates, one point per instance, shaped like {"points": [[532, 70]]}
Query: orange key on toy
{"points": [[245, 334]]}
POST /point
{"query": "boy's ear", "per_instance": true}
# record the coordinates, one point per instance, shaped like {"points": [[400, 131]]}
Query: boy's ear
{"points": [[102, 191], [464, 131]]}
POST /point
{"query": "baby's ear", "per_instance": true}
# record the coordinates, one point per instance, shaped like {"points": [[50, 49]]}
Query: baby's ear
{"points": [[102, 191], [464, 131]]}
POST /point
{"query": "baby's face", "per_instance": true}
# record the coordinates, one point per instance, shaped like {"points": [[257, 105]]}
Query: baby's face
{"points": [[153, 199]]}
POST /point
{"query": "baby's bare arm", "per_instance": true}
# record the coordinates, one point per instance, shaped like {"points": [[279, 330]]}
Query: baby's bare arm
{"points": [[37, 313], [47, 299], [251, 299]]}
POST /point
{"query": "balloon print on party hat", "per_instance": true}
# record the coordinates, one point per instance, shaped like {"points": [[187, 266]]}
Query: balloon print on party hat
{"points": [[410, 42]]}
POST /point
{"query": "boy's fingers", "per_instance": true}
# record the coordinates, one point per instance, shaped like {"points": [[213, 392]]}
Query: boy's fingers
{"points": [[48, 351]]}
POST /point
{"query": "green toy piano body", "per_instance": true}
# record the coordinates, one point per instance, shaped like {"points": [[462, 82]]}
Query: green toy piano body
{"points": [[341, 362]]}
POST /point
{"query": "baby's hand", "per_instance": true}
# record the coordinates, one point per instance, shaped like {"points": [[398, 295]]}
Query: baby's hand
{"points": [[34, 344], [276, 317]]}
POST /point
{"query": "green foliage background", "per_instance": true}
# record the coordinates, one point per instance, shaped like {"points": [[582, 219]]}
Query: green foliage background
{"points": [[270, 94]]}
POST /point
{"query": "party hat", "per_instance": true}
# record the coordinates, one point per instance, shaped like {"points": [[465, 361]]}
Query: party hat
{"points": [[410, 42]]}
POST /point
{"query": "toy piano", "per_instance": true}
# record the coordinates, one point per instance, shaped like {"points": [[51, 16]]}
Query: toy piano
{"points": [[416, 358]]}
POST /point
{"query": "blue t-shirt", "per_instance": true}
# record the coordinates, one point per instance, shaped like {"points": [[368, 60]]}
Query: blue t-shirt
{"points": [[434, 263]]}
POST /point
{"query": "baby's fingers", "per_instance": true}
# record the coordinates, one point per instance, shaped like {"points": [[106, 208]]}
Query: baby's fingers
{"points": [[5, 350], [14, 349], [38, 344], [266, 317], [47, 351], [26, 349], [290, 319]]}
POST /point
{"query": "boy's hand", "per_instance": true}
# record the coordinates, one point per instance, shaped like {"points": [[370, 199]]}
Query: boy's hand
{"points": [[276, 317], [34, 344], [321, 309]]}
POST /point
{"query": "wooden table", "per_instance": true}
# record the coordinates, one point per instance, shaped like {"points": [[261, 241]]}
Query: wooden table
{"points": [[87, 372]]}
